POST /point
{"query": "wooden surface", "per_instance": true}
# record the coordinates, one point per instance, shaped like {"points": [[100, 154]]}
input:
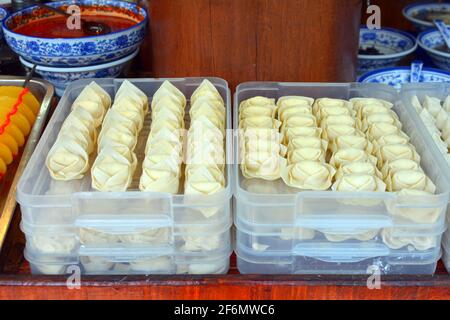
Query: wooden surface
{"points": [[17, 283], [243, 40]]}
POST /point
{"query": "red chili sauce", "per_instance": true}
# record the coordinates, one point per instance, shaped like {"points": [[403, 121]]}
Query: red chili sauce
{"points": [[56, 27]]}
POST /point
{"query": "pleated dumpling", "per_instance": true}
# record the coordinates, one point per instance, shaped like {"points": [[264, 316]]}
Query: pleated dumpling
{"points": [[307, 142], [292, 111], [376, 130], [415, 102], [259, 122], [306, 154], [394, 241], [159, 181], [391, 152], [360, 102], [346, 141], [399, 165], [308, 175], [67, 159], [257, 101], [114, 118], [113, 169], [350, 155], [359, 182], [433, 105], [208, 90], [289, 101], [95, 109], [359, 167], [291, 133], [117, 135], [168, 89], [94, 93], [204, 180], [397, 138], [409, 179], [333, 110], [263, 165], [335, 130], [323, 103], [130, 92], [387, 117], [340, 120]]}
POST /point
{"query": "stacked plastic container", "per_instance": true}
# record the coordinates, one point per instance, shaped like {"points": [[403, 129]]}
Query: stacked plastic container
{"points": [[68, 224], [283, 231], [440, 91]]}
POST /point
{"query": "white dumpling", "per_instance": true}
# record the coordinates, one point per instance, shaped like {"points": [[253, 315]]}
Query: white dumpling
{"points": [[377, 130], [259, 122], [340, 119], [416, 104], [307, 142], [357, 142], [359, 182], [359, 167], [391, 152], [168, 89], [292, 111], [95, 109], [397, 242], [336, 130], [350, 155], [206, 89], [308, 175], [306, 154], [159, 181], [360, 102], [446, 104], [399, 165], [415, 214], [129, 91], [433, 105], [288, 101], [204, 180], [409, 179]]}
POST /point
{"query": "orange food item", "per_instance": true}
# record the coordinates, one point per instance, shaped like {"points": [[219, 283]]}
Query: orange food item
{"points": [[18, 118], [28, 98], [10, 142], [5, 154], [2, 168]]}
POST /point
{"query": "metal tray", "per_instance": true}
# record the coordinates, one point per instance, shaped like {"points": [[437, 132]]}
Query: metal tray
{"points": [[43, 91]]}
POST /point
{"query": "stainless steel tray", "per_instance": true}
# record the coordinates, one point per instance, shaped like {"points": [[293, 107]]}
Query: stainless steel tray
{"points": [[43, 91]]}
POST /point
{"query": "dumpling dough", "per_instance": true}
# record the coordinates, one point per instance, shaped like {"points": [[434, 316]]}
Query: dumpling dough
{"points": [[308, 175], [359, 182], [67, 159], [113, 169], [417, 215], [350, 155], [410, 179], [398, 242]]}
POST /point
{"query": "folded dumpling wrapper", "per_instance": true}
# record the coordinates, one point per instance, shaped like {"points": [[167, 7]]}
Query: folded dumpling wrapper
{"points": [[82, 119], [287, 112], [290, 133], [409, 179], [67, 159], [132, 92], [360, 167], [441, 119], [359, 182], [327, 111], [288, 101], [263, 165], [357, 142], [417, 215], [90, 236], [159, 181], [95, 109], [349, 155], [321, 103], [93, 92], [307, 142], [365, 110], [168, 89], [399, 165], [258, 101], [342, 120], [308, 175], [398, 138], [79, 132], [379, 129], [398, 242], [259, 122], [170, 104], [364, 236], [206, 89], [392, 152], [117, 135], [433, 105], [306, 154], [114, 118], [113, 169], [335, 130], [253, 111], [388, 117]]}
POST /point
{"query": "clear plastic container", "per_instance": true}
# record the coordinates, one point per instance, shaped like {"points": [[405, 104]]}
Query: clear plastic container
{"points": [[46, 202], [283, 231], [446, 250], [273, 203], [125, 261]]}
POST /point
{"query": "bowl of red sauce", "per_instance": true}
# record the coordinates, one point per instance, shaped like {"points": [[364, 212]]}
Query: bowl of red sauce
{"points": [[45, 38]]}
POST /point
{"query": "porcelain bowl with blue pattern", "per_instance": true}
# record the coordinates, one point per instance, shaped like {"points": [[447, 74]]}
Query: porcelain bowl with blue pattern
{"points": [[397, 76], [430, 40], [3, 14], [392, 44], [415, 13], [61, 77], [81, 51]]}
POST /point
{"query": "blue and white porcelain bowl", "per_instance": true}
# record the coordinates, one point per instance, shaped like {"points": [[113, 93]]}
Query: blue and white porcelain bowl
{"points": [[3, 14], [391, 43], [77, 52], [397, 76], [62, 77], [412, 13], [430, 40]]}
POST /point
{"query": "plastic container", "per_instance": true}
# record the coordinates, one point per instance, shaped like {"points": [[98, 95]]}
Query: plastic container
{"points": [[46, 202], [282, 230], [70, 224], [130, 261]]}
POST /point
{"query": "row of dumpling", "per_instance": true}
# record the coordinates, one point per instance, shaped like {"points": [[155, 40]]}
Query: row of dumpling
{"points": [[205, 147], [116, 161], [436, 118], [69, 157], [397, 158], [161, 169], [261, 149], [306, 166]]}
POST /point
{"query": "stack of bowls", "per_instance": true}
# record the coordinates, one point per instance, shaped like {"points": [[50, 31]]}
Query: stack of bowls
{"points": [[63, 60], [3, 14], [381, 48]]}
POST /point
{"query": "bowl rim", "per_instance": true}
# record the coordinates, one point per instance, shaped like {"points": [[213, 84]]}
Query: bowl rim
{"points": [[110, 64], [403, 68], [428, 49], [392, 55], [406, 10], [3, 13], [55, 4]]}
